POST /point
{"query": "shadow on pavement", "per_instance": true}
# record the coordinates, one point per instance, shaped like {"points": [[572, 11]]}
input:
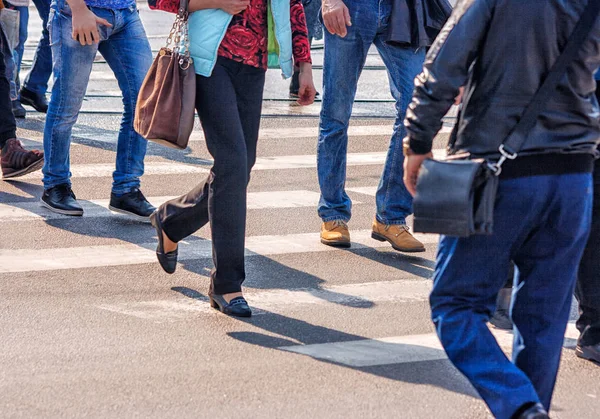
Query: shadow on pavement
{"points": [[439, 373]]}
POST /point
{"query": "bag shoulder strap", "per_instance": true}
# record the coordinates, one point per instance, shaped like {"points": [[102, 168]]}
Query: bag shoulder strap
{"points": [[512, 145]]}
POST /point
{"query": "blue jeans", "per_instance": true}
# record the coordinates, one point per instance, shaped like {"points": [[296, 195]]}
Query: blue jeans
{"points": [[343, 63], [541, 223], [41, 69], [17, 53], [127, 51]]}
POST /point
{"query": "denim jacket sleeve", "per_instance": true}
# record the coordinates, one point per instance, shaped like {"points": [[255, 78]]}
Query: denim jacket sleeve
{"points": [[446, 71]]}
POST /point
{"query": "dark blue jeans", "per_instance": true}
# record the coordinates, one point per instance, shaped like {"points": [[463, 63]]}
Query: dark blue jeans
{"points": [[587, 290], [127, 51], [41, 69], [542, 224], [8, 128], [343, 64]]}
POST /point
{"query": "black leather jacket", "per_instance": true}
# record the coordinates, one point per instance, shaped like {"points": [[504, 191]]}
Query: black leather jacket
{"points": [[501, 50]]}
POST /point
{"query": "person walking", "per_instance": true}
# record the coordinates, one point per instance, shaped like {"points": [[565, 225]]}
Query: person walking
{"points": [[352, 27], [229, 90], [312, 9], [15, 161], [33, 91], [543, 205], [79, 29], [587, 290]]}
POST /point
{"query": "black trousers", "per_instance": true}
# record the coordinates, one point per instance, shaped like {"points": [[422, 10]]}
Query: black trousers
{"points": [[229, 106], [587, 290], [8, 127]]}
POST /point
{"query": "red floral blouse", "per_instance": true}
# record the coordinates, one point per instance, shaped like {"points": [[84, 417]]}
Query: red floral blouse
{"points": [[246, 37]]}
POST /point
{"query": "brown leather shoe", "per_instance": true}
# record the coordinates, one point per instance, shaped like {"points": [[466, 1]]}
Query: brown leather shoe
{"points": [[16, 161], [335, 233], [398, 236]]}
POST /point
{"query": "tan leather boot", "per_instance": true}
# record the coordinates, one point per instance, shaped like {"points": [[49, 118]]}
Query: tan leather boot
{"points": [[398, 236], [335, 233]]}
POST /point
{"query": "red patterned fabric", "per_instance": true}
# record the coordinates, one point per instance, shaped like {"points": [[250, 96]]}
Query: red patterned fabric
{"points": [[171, 6], [246, 37]]}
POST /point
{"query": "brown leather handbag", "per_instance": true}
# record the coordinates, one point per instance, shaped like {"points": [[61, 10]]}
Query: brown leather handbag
{"points": [[166, 102]]}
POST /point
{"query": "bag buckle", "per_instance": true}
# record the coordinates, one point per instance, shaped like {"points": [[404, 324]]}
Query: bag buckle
{"points": [[504, 155]]}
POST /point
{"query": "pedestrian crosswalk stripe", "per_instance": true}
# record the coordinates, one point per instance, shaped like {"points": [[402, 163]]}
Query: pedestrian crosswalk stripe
{"points": [[265, 133], [262, 163], [396, 350], [30, 260], [106, 170], [276, 301], [20, 211]]}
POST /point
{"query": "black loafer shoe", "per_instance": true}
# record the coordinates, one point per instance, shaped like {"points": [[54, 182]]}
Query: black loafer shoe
{"points": [[61, 200], [168, 261], [535, 411], [237, 307], [501, 320], [133, 203], [590, 352], [18, 109], [37, 102]]}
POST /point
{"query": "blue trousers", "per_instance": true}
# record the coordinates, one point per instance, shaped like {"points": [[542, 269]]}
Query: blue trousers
{"points": [[343, 63], [542, 223]]}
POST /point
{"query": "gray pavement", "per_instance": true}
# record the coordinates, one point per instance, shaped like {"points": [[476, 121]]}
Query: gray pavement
{"points": [[91, 327]]}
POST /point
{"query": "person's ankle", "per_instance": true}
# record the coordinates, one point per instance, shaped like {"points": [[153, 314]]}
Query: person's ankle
{"points": [[168, 245]]}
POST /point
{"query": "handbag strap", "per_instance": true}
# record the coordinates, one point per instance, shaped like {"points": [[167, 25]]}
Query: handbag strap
{"points": [[178, 40], [512, 145]]}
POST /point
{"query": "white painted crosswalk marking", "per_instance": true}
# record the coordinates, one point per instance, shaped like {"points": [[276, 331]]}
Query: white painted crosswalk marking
{"points": [[106, 170], [262, 163], [396, 350], [30, 260], [276, 301], [21, 211], [265, 133]]}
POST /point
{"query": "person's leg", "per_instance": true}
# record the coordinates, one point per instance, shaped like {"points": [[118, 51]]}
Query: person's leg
{"points": [[14, 159], [20, 48], [394, 202], [469, 273], [223, 193], [547, 271], [587, 290], [36, 82], [343, 63], [8, 126], [128, 54], [72, 64]]}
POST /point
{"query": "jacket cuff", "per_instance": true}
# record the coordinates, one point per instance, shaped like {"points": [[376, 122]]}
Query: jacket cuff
{"points": [[419, 146]]}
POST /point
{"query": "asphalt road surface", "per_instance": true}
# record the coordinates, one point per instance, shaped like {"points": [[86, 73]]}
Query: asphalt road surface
{"points": [[90, 326]]}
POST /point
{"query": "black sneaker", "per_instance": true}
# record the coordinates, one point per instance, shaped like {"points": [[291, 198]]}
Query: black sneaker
{"points": [[61, 200], [133, 203], [18, 109], [37, 102]]}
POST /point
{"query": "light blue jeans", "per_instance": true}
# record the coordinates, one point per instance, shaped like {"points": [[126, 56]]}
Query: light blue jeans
{"points": [[343, 63], [127, 51]]}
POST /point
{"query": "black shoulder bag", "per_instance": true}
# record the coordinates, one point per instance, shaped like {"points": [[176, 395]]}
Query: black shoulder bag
{"points": [[457, 197]]}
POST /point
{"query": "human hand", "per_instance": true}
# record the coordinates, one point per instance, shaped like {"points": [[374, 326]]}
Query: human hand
{"points": [[459, 98], [233, 7], [412, 165], [85, 26], [307, 90], [336, 17]]}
